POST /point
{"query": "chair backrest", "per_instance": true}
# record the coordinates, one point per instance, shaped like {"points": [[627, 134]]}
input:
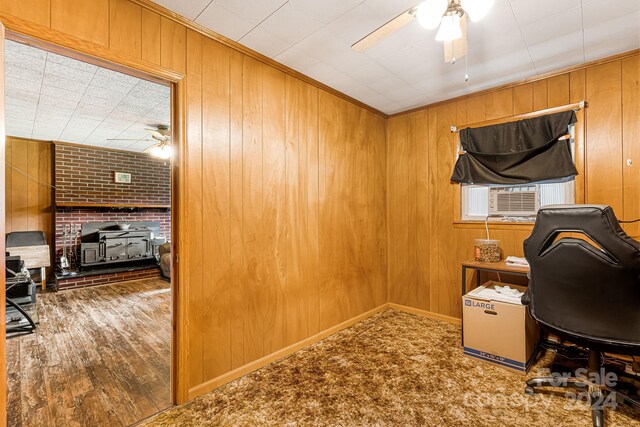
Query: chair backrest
{"points": [[25, 238], [589, 288]]}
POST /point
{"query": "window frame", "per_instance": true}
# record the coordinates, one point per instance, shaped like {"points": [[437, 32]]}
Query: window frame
{"points": [[569, 188]]}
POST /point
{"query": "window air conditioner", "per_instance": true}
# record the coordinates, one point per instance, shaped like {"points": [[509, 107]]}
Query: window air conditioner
{"points": [[514, 201]]}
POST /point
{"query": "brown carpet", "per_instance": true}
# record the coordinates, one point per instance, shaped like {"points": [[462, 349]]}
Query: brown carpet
{"points": [[393, 369]]}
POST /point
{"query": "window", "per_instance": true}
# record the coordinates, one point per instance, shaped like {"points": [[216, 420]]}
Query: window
{"points": [[476, 198]]}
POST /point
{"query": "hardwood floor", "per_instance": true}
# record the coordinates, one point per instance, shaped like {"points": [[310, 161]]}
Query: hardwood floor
{"points": [[100, 357]]}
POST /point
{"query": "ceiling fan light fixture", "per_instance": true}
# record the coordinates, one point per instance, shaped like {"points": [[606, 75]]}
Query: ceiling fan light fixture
{"points": [[429, 13], [162, 151], [449, 28], [476, 9]]}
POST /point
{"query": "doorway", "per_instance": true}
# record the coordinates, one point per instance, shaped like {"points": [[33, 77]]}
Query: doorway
{"points": [[89, 168]]}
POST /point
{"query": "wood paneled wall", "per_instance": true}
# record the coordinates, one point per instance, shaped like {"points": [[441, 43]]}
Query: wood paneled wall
{"points": [[426, 245], [290, 181], [283, 186], [28, 191]]}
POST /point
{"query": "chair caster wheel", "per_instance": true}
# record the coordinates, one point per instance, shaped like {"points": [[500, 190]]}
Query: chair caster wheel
{"points": [[529, 391]]}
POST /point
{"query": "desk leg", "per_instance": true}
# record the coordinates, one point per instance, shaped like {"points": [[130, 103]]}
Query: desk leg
{"points": [[464, 292], [43, 278], [464, 280]]}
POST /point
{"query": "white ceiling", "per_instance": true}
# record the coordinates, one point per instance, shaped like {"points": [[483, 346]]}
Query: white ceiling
{"points": [[518, 39], [55, 98]]}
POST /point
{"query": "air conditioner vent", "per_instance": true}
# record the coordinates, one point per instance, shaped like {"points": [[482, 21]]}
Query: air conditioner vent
{"points": [[514, 201]]}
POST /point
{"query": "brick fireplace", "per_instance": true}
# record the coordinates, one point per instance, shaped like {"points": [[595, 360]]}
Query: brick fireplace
{"points": [[86, 191]]}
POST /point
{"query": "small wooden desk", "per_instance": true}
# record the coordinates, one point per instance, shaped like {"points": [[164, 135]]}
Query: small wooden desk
{"points": [[492, 267]]}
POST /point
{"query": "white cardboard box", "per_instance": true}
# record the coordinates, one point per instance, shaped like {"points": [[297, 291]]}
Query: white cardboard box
{"points": [[498, 332]]}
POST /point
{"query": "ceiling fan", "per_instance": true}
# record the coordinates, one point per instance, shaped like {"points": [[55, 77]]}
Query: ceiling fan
{"points": [[449, 15], [161, 135]]}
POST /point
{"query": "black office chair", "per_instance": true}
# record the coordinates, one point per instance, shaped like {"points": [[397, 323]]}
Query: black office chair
{"points": [[585, 291]]}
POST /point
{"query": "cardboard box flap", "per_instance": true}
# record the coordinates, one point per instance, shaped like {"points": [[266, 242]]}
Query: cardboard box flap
{"points": [[499, 292]]}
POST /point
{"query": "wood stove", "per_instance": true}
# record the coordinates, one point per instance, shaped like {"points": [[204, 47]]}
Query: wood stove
{"points": [[106, 243]]}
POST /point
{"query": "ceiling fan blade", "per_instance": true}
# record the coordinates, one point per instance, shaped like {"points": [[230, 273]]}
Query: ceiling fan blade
{"points": [[157, 134], [387, 29]]}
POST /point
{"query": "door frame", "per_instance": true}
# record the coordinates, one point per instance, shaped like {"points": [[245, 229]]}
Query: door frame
{"points": [[57, 42]]}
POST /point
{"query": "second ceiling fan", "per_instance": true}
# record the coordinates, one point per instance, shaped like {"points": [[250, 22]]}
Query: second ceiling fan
{"points": [[449, 15]]}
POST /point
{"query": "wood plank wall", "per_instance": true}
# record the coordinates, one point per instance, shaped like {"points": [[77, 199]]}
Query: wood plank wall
{"points": [[284, 183], [28, 191], [293, 199], [425, 246]]}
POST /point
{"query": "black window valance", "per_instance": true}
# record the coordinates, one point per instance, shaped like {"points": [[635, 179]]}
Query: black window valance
{"points": [[518, 152]]}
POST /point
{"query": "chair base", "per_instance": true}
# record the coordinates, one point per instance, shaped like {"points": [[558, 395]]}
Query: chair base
{"points": [[600, 395]]}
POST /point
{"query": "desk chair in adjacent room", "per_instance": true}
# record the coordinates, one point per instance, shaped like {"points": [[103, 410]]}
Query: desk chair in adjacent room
{"points": [[585, 291]]}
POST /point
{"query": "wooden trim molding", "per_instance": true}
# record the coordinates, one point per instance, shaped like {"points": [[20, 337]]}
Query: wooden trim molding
{"points": [[58, 42]]}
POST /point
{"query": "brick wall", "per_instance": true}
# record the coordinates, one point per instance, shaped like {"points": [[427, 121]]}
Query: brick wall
{"points": [[86, 175], [70, 216]]}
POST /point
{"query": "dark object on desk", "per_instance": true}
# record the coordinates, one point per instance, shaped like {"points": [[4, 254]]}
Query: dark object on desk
{"points": [[587, 293]]}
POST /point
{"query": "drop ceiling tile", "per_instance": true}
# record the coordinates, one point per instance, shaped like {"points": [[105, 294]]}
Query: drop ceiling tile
{"points": [[322, 72], [54, 102], [225, 22], [116, 85], [596, 49], [563, 51], [553, 28], [386, 47], [15, 48], [60, 93], [14, 93], [355, 24], [77, 75], [598, 12], [323, 45], [264, 42], [346, 60], [114, 75], [509, 64], [254, 11], [296, 58], [387, 85], [370, 72], [63, 83], [388, 10], [189, 9], [28, 76], [290, 24], [527, 12], [71, 63]]}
